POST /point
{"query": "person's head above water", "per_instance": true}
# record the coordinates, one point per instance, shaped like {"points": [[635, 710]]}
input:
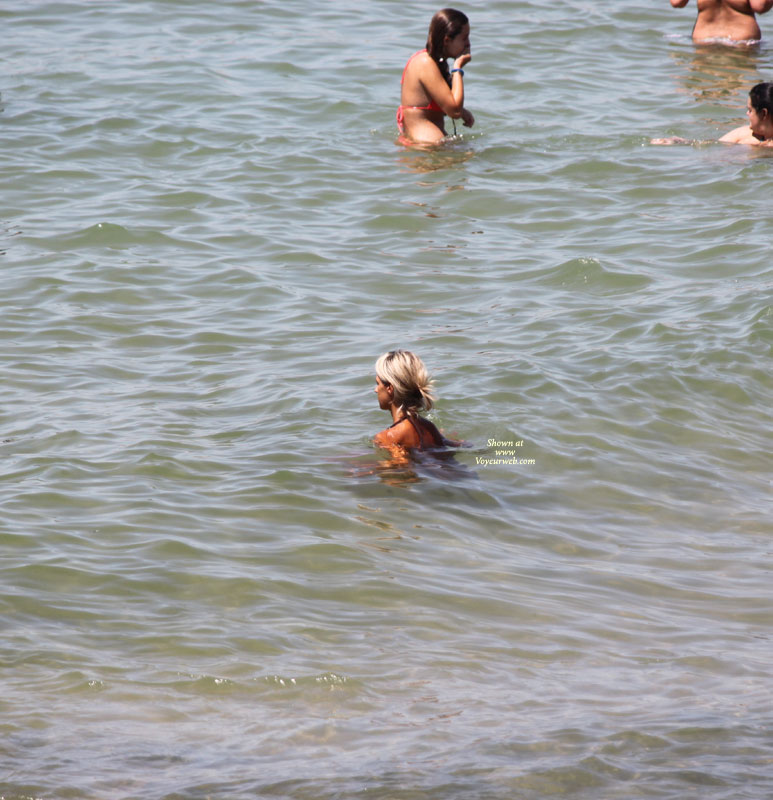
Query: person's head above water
{"points": [[445, 26], [759, 113], [760, 110], [402, 379], [761, 97]]}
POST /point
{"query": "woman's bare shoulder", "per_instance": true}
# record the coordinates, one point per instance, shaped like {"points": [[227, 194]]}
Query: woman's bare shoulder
{"points": [[417, 63], [742, 135], [399, 435]]}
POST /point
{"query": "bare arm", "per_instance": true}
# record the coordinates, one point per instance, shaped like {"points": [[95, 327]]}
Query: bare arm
{"points": [[383, 439], [396, 436], [450, 100], [760, 6], [679, 3], [670, 140]]}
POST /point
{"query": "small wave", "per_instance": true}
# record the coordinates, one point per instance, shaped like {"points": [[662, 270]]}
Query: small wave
{"points": [[106, 235]]}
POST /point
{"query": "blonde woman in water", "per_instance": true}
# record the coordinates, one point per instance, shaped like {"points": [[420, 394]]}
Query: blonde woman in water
{"points": [[404, 388]]}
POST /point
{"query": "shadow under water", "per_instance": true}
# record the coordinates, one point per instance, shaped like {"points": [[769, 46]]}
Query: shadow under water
{"points": [[431, 158], [409, 467], [717, 72]]}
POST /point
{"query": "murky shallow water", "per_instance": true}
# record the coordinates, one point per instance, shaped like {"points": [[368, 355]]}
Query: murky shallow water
{"points": [[211, 585]]}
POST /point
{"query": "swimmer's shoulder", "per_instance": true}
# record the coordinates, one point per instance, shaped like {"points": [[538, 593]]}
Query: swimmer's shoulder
{"points": [[400, 435], [742, 135], [419, 65]]}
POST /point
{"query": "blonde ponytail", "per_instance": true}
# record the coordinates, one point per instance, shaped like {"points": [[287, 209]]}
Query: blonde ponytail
{"points": [[406, 374]]}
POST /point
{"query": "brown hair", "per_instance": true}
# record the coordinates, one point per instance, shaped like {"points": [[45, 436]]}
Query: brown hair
{"points": [[447, 22], [761, 97]]}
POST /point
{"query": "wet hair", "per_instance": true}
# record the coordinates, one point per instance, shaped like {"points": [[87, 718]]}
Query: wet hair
{"points": [[761, 97], [447, 22], [406, 374]]}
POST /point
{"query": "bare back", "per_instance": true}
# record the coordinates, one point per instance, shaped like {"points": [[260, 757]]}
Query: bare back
{"points": [[422, 116], [413, 433]]}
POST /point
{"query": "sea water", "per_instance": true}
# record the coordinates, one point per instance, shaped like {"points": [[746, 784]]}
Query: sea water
{"points": [[212, 585]]}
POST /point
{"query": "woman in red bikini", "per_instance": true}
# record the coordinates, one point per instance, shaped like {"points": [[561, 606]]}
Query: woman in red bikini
{"points": [[403, 388], [429, 90]]}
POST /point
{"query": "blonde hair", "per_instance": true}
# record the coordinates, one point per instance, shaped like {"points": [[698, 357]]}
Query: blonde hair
{"points": [[406, 374]]}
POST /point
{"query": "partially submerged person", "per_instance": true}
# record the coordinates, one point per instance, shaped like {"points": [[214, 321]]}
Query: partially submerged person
{"points": [[429, 91], [727, 20], [404, 388], [759, 110], [759, 131]]}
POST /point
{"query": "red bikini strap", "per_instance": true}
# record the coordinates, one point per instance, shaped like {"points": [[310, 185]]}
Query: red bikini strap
{"points": [[417, 53]]}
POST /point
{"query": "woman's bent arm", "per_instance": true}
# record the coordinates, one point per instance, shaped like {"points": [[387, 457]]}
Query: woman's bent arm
{"points": [[450, 100]]}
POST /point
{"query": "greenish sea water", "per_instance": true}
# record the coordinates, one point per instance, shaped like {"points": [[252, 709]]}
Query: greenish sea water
{"points": [[212, 585]]}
